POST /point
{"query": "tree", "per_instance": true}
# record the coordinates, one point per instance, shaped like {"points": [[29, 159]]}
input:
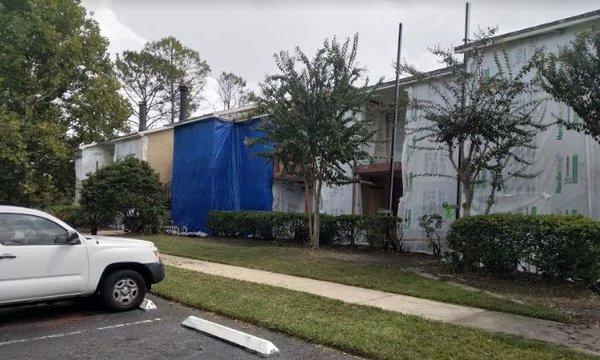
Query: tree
{"points": [[232, 90], [143, 78], [489, 131], [98, 110], [58, 90], [185, 67], [130, 189], [571, 77], [313, 120], [16, 172]]}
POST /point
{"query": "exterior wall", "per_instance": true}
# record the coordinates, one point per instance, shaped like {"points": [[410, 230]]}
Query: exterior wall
{"points": [[567, 161], [373, 194], [160, 153], [136, 147], [155, 147], [92, 158], [424, 194]]}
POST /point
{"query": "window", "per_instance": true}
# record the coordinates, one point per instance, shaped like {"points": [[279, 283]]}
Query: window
{"points": [[23, 230]]}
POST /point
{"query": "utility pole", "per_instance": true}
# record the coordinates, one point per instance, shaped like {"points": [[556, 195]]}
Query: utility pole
{"points": [[396, 101], [463, 102]]}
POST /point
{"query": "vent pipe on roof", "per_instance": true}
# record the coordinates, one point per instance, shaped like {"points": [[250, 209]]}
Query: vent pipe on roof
{"points": [[183, 103], [142, 123]]}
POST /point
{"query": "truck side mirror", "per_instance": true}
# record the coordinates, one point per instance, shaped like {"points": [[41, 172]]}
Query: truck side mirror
{"points": [[72, 238]]}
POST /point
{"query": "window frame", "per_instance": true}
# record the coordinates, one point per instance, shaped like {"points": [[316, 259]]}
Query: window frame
{"points": [[40, 217]]}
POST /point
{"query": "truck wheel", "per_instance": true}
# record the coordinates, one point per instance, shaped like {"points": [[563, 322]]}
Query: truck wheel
{"points": [[123, 290]]}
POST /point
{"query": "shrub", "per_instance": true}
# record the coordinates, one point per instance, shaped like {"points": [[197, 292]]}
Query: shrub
{"points": [[380, 230], [130, 189], [340, 229], [72, 214], [269, 225], [557, 245], [431, 224]]}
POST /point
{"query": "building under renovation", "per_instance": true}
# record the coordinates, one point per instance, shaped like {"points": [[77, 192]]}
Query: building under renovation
{"points": [[567, 162], [206, 164]]}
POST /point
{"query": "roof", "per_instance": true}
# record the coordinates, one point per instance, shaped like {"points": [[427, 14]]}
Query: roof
{"points": [[235, 115], [240, 114], [534, 30], [414, 79], [129, 136]]}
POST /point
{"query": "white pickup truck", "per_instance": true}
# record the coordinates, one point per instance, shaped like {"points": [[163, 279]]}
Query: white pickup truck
{"points": [[43, 258]]}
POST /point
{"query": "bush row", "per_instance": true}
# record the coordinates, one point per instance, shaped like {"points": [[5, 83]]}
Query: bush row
{"points": [[378, 231], [562, 246]]}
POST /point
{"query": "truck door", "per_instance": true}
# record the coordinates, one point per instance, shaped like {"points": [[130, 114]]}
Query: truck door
{"points": [[35, 260]]}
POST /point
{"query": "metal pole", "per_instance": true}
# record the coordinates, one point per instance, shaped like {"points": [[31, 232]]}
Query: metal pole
{"points": [[463, 102], [396, 101]]}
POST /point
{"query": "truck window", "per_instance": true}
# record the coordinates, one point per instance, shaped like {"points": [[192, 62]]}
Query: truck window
{"points": [[28, 230]]}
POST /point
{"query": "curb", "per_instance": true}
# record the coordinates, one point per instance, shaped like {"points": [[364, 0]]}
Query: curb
{"points": [[255, 344]]}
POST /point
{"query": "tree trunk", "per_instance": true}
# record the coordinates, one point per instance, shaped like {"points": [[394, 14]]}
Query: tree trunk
{"points": [[316, 220], [309, 209], [469, 193], [172, 103], [490, 200]]}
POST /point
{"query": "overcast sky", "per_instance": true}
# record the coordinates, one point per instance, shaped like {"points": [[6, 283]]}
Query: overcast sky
{"points": [[241, 36]]}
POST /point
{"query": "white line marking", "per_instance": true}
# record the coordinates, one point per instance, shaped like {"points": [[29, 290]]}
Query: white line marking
{"points": [[77, 332]]}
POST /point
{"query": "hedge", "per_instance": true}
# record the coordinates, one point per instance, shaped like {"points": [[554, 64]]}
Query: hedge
{"points": [[380, 231], [557, 245]]}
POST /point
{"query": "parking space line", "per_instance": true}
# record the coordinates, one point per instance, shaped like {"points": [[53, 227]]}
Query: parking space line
{"points": [[78, 332]]}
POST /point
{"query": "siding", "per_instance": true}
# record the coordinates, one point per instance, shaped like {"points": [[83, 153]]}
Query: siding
{"points": [[160, 153]]}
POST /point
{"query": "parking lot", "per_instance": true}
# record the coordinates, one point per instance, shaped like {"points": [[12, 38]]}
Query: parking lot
{"points": [[82, 329]]}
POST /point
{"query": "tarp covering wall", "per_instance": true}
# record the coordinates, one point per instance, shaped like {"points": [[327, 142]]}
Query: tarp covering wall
{"points": [[567, 162], [213, 169]]}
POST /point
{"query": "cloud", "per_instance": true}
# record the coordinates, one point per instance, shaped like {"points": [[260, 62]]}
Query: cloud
{"points": [[123, 38], [210, 97], [120, 36]]}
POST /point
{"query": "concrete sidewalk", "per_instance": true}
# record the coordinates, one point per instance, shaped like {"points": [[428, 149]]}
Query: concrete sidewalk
{"points": [[580, 337]]}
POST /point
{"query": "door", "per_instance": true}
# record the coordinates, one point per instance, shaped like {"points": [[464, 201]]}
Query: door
{"points": [[36, 262]]}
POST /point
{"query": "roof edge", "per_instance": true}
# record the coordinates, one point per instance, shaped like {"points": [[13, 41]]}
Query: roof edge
{"points": [[532, 31], [414, 79]]}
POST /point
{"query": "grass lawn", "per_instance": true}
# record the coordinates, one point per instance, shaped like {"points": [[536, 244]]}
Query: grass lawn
{"points": [[356, 329], [369, 274]]}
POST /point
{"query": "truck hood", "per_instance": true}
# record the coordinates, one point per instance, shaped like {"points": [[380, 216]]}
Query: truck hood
{"points": [[112, 241]]}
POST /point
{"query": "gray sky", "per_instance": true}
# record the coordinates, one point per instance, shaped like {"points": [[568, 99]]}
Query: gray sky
{"points": [[241, 36]]}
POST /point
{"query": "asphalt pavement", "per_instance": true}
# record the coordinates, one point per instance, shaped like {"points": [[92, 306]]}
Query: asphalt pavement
{"points": [[83, 329]]}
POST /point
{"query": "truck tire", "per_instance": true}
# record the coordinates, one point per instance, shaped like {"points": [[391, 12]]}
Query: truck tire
{"points": [[123, 290]]}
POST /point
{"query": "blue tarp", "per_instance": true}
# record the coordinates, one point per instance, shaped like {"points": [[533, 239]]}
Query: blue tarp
{"points": [[213, 169]]}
